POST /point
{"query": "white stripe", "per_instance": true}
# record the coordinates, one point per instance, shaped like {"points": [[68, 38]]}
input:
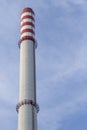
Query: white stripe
{"points": [[27, 13], [27, 27], [27, 20], [27, 34]]}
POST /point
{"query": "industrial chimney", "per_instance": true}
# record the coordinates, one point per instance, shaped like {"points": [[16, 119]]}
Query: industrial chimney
{"points": [[27, 107]]}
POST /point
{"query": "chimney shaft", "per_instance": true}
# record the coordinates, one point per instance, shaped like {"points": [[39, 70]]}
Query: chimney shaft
{"points": [[27, 107]]}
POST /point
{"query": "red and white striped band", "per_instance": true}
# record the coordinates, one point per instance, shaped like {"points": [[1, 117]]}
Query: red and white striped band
{"points": [[27, 102], [28, 30], [27, 25], [27, 17]]}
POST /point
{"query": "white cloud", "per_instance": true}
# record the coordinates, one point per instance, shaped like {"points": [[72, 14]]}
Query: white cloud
{"points": [[78, 2], [64, 4], [57, 77], [67, 2], [53, 118]]}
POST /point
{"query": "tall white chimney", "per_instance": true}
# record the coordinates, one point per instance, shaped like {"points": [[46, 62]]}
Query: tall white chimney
{"points": [[27, 107]]}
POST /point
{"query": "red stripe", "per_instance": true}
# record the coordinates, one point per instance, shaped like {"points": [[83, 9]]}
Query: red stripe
{"points": [[27, 38], [27, 10], [28, 30], [28, 23], [28, 16]]}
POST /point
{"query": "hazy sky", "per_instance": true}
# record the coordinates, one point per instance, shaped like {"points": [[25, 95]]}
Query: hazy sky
{"points": [[61, 63]]}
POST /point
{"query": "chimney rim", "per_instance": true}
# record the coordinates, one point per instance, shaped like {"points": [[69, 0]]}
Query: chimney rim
{"points": [[27, 9]]}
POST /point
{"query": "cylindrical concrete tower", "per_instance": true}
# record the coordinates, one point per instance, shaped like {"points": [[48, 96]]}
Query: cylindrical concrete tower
{"points": [[27, 107]]}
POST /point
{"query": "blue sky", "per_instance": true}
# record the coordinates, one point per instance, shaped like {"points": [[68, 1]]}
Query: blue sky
{"points": [[61, 63]]}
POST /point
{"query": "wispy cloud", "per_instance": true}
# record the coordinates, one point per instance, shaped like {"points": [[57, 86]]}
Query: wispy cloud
{"points": [[62, 63]]}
